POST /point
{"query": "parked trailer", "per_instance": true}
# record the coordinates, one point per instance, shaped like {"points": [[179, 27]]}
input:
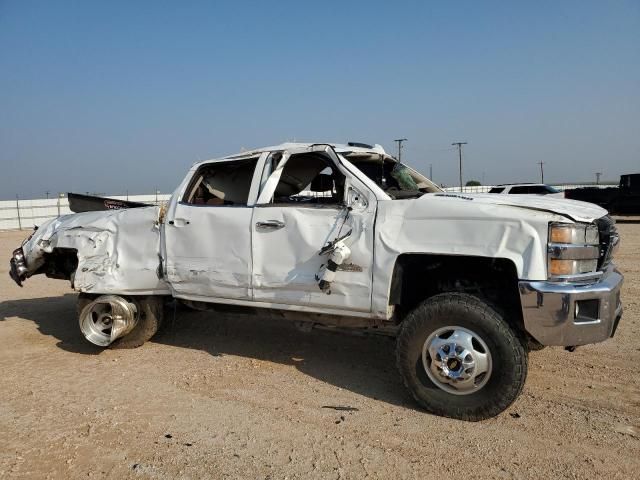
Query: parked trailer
{"points": [[621, 200]]}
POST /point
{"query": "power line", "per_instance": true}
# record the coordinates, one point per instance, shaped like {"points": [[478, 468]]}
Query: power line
{"points": [[428, 149], [459, 145]]}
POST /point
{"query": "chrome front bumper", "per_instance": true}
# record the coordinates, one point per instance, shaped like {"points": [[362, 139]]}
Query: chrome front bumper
{"points": [[571, 314]]}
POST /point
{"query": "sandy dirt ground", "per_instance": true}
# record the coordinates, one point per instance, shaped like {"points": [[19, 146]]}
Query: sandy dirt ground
{"points": [[215, 397]]}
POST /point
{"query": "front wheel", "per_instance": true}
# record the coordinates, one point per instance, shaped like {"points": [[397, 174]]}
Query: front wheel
{"points": [[460, 359]]}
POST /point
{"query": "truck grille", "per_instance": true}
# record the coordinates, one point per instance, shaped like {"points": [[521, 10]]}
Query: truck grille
{"points": [[608, 237]]}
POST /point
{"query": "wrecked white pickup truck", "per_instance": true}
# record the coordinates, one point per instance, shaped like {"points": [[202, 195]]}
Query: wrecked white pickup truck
{"points": [[344, 236]]}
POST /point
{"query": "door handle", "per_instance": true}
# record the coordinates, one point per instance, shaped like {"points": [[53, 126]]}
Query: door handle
{"points": [[179, 222], [272, 224]]}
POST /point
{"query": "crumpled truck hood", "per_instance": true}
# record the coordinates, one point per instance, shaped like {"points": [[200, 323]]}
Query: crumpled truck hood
{"points": [[572, 209]]}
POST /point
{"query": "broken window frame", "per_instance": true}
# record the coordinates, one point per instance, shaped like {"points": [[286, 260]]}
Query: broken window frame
{"points": [[270, 177], [355, 160], [186, 197]]}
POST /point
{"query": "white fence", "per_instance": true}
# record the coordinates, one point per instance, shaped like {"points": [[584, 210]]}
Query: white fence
{"points": [[25, 214], [486, 188]]}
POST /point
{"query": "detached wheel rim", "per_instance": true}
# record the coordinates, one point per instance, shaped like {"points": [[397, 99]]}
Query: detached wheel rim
{"points": [[457, 360], [106, 319]]}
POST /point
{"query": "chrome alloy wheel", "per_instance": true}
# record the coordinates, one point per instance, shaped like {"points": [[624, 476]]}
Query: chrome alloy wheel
{"points": [[457, 360], [107, 318]]}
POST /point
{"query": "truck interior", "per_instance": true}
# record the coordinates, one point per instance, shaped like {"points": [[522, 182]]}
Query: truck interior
{"points": [[396, 179], [309, 178], [222, 183]]}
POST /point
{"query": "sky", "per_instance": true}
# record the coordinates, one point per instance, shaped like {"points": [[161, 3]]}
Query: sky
{"points": [[118, 96]]}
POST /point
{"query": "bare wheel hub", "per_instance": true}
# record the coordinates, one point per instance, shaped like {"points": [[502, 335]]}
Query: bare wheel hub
{"points": [[107, 318], [456, 360]]}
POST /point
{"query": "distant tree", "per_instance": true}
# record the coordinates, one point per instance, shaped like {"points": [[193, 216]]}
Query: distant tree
{"points": [[473, 183]]}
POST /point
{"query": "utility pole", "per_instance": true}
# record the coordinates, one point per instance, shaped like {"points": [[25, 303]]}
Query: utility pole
{"points": [[541, 163], [399, 141], [598, 177], [431, 172], [459, 144], [47, 193]]}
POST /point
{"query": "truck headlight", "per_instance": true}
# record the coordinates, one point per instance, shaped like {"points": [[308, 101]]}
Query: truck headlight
{"points": [[573, 251], [574, 233]]}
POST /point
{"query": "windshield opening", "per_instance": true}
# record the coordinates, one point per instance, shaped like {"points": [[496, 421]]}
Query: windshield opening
{"points": [[396, 179]]}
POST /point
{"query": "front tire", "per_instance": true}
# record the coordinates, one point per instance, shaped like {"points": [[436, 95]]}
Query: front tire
{"points": [[460, 359]]}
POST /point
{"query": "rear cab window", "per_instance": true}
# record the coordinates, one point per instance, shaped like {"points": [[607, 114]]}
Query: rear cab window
{"points": [[219, 184]]}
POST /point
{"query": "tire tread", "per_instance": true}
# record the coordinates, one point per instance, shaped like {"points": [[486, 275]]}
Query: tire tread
{"points": [[418, 320]]}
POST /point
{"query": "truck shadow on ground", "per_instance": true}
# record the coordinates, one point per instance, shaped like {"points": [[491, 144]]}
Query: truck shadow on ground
{"points": [[362, 364], [55, 317]]}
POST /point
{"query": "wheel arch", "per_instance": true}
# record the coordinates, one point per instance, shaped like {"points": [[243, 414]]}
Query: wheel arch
{"points": [[61, 263], [418, 276]]}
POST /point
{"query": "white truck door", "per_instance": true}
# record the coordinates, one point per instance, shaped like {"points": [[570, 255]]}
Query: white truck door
{"points": [[207, 241], [306, 201]]}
